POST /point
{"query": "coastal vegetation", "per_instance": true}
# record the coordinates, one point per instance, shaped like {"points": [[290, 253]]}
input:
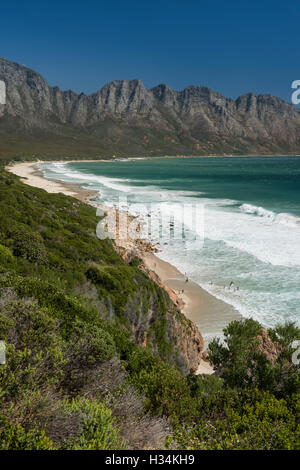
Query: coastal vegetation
{"points": [[91, 361]]}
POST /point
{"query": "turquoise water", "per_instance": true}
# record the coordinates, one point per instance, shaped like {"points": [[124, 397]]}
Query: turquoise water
{"points": [[250, 221]]}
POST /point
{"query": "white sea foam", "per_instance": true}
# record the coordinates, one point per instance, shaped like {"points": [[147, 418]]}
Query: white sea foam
{"points": [[64, 173], [259, 211], [288, 219], [273, 243], [281, 218]]}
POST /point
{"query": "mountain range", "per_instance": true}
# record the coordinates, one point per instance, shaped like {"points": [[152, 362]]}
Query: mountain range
{"points": [[125, 118]]}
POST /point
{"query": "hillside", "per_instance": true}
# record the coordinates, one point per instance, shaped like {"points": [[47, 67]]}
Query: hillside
{"points": [[98, 357], [125, 118]]}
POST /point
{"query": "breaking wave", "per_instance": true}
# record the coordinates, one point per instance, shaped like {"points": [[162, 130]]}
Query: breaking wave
{"points": [[283, 218]]}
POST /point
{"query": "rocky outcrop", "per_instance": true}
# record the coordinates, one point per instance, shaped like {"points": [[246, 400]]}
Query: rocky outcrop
{"points": [[126, 115], [171, 336], [155, 321], [268, 347], [166, 331], [188, 340]]}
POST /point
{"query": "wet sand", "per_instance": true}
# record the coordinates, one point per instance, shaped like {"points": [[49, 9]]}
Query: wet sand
{"points": [[210, 314]]}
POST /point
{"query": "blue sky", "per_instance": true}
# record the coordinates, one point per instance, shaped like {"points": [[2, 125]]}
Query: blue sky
{"points": [[231, 46]]}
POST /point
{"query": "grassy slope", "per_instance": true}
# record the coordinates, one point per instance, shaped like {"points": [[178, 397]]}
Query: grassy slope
{"points": [[74, 380], [112, 137]]}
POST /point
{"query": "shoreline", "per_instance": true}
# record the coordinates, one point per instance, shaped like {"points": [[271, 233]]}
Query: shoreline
{"points": [[14, 163], [198, 305]]}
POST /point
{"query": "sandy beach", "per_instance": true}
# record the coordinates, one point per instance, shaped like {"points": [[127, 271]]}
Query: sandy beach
{"points": [[31, 175], [198, 305], [205, 310]]}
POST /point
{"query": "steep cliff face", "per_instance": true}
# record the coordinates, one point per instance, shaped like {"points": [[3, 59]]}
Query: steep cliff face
{"points": [[125, 117], [157, 324], [171, 336], [28, 94]]}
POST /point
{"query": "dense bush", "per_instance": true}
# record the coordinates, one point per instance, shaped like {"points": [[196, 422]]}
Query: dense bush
{"points": [[91, 344], [29, 245], [6, 256], [242, 361], [15, 437], [97, 429], [33, 349], [102, 278], [257, 422]]}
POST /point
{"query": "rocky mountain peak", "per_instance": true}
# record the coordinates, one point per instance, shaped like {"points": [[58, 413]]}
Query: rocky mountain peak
{"points": [[194, 120]]}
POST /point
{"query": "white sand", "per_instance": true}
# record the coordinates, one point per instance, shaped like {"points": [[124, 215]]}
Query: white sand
{"points": [[26, 172]]}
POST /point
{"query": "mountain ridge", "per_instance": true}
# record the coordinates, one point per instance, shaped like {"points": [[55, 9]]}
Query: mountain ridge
{"points": [[124, 117]]}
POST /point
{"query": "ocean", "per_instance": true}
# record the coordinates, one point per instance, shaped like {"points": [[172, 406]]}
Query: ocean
{"points": [[245, 251]]}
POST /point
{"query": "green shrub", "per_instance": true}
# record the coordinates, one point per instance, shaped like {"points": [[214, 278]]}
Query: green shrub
{"points": [[102, 278], [29, 245], [6, 256], [14, 437], [241, 363], [91, 344], [97, 426], [62, 306], [263, 423], [34, 355], [204, 385]]}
